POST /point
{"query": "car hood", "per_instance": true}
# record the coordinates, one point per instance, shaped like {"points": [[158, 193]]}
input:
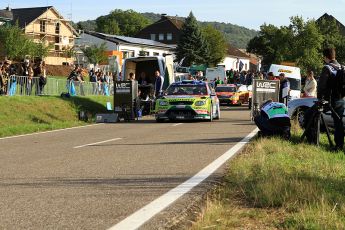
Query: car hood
{"points": [[183, 97]]}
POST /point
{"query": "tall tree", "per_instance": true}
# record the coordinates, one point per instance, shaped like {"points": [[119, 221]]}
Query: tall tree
{"points": [[95, 54], [120, 22], [300, 42], [217, 45], [192, 46]]}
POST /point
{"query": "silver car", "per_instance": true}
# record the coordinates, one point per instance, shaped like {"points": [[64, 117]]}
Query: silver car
{"points": [[298, 107]]}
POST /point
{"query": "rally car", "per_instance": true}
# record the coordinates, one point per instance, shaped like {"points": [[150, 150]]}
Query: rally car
{"points": [[188, 100], [225, 92], [241, 96]]}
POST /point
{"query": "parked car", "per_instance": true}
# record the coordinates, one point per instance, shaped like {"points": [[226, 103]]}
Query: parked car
{"points": [[298, 107]]}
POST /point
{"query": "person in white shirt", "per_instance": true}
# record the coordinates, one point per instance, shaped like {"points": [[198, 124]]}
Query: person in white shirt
{"points": [[310, 85]]}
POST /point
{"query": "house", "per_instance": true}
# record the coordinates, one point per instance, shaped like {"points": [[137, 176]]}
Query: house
{"points": [[328, 17], [166, 30], [5, 17], [121, 46], [46, 25], [233, 59], [254, 61]]}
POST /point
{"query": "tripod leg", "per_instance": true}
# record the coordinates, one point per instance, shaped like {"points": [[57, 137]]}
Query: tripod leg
{"points": [[309, 124], [327, 131]]}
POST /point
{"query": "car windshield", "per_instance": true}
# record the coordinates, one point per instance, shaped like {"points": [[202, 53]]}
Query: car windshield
{"points": [[295, 84], [187, 90], [226, 89]]}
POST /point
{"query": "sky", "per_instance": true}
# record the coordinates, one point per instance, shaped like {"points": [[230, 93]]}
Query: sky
{"points": [[247, 13]]}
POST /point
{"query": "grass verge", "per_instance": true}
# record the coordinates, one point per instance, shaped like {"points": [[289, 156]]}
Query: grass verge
{"points": [[277, 184], [21, 115]]}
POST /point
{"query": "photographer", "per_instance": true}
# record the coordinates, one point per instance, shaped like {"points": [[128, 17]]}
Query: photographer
{"points": [[328, 90]]}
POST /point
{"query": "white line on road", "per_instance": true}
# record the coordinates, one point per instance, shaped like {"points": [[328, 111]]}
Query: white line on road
{"points": [[177, 124], [138, 218], [51, 131], [96, 143]]}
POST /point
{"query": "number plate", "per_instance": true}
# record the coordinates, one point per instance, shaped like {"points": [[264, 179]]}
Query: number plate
{"points": [[180, 106]]}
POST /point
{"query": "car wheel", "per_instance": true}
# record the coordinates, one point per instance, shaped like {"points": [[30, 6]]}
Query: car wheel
{"points": [[159, 120], [300, 116]]}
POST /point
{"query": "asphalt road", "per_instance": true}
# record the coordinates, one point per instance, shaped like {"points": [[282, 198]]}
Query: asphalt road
{"points": [[58, 181]]}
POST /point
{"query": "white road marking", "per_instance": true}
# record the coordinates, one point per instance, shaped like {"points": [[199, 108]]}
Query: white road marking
{"points": [[51, 131], [96, 143], [138, 218], [177, 124]]}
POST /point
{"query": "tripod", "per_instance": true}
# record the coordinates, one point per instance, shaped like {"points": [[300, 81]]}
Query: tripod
{"points": [[313, 126]]}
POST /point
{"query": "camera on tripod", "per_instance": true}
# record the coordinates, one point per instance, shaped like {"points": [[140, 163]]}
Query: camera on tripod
{"points": [[313, 118]]}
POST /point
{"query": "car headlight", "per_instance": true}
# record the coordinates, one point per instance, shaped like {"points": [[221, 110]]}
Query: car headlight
{"points": [[200, 103], [163, 103]]}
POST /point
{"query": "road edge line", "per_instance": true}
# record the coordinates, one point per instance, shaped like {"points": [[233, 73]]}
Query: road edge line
{"points": [[50, 131], [140, 217]]}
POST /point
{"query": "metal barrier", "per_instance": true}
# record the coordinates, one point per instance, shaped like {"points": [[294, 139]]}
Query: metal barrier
{"points": [[23, 86]]}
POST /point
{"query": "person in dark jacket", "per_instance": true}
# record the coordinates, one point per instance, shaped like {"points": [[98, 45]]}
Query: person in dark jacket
{"points": [[326, 91], [158, 83]]}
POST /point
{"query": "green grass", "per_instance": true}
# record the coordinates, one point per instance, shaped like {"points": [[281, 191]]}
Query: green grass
{"points": [[21, 115], [276, 184]]}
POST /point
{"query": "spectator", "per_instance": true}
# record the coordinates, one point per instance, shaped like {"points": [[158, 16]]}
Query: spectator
{"points": [[142, 79], [327, 90], [284, 89], [29, 80], [310, 85], [40, 71], [158, 83], [271, 76]]}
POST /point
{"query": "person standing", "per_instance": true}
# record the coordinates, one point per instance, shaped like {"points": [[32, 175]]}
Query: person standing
{"points": [[284, 89], [41, 73], [328, 90], [310, 85], [158, 84]]}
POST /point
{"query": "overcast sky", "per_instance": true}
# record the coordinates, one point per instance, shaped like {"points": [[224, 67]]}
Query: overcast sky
{"points": [[248, 13]]}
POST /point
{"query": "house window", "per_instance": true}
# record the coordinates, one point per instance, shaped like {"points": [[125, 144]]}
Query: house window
{"points": [[57, 28], [169, 36], [43, 26], [128, 53], [161, 37], [245, 66], [57, 39], [155, 54], [153, 37]]}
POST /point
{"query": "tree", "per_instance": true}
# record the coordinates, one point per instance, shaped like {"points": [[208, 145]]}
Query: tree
{"points": [[300, 42], [192, 45], [13, 42], [332, 37], [120, 22], [95, 54], [217, 45]]}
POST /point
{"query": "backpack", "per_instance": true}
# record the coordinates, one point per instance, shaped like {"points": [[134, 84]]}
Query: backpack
{"points": [[337, 79]]}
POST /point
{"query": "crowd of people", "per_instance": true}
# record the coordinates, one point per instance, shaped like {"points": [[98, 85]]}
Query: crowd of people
{"points": [[26, 75]]}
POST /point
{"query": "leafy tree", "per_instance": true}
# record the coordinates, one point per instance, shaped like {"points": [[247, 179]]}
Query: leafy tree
{"points": [[300, 42], [89, 25], [332, 37], [95, 54], [217, 45], [192, 45], [120, 22], [13, 42]]}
